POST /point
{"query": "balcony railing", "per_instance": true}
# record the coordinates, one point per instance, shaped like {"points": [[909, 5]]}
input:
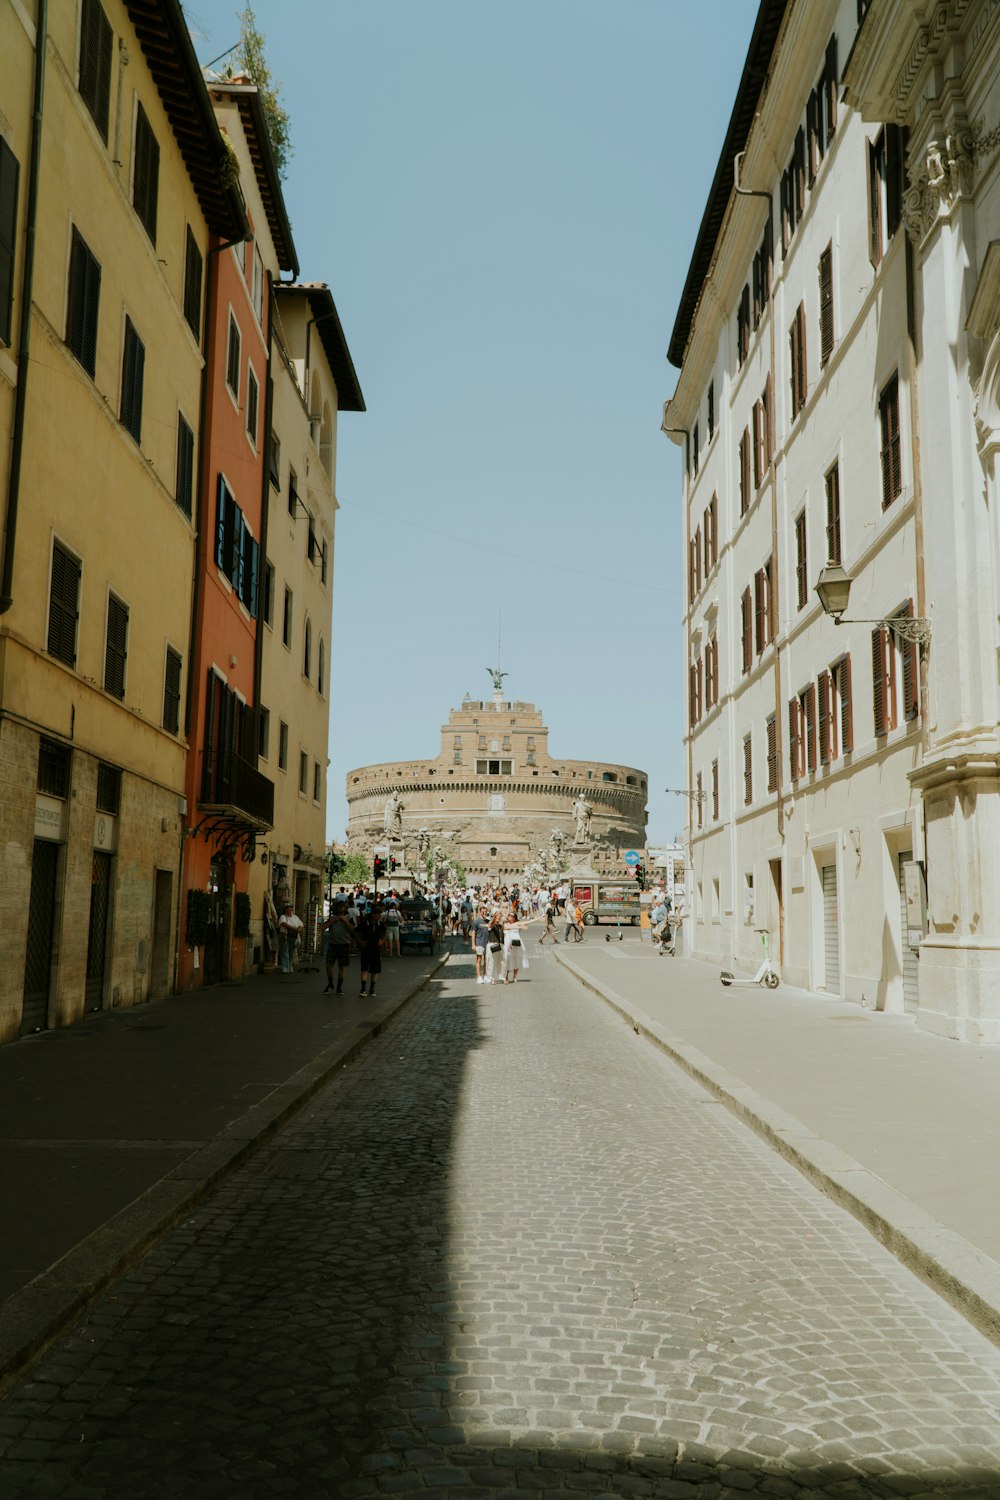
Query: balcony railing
{"points": [[232, 782]]}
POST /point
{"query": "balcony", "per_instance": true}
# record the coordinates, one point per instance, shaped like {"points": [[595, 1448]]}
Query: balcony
{"points": [[231, 786]]}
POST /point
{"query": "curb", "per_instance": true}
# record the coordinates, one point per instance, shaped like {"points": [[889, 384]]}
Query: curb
{"points": [[37, 1314], [965, 1277]]}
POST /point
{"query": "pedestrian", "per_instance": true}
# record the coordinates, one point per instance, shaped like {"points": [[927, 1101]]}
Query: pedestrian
{"points": [[569, 917], [549, 930], [290, 928], [515, 958], [370, 931], [577, 911], [480, 939], [339, 937], [494, 947], [392, 929]]}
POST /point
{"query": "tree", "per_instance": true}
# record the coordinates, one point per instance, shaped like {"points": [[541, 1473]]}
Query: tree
{"points": [[351, 869], [250, 59]]}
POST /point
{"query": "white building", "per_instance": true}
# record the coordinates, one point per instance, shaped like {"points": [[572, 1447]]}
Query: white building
{"points": [[795, 406]]}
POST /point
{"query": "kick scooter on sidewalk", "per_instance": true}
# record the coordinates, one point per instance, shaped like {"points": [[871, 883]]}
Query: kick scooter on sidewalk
{"points": [[767, 974]]}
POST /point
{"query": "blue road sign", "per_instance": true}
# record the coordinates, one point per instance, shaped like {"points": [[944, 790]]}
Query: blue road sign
{"points": [[632, 858]]}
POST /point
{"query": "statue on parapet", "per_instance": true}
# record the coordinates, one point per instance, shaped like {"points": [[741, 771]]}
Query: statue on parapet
{"points": [[497, 677], [582, 812], [392, 818]]}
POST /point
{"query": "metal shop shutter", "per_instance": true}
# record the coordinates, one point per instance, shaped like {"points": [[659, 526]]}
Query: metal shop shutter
{"points": [[831, 931]]}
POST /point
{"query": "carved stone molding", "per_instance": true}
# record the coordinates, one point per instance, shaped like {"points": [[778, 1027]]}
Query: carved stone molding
{"points": [[938, 182]]}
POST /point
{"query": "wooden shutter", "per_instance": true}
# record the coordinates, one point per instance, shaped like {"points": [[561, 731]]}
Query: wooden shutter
{"points": [[9, 171], [193, 269], [747, 770], [880, 676], [697, 560], [801, 562], [745, 471], [224, 522], [184, 489], [893, 179], [699, 678], [911, 669], [770, 601], [793, 738], [116, 647], [786, 210], [757, 465], [826, 304], [692, 587], [692, 696], [95, 63], [831, 81], [814, 119], [747, 631], [772, 753], [64, 605], [172, 691], [83, 303], [133, 370], [766, 407], [892, 478], [846, 707], [874, 206], [799, 175], [759, 615], [810, 702], [833, 535], [802, 368], [823, 692], [145, 173]]}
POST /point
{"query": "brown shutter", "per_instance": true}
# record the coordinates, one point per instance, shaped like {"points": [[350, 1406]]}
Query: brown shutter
{"points": [[793, 738], [745, 471], [803, 366], [692, 697], [826, 304], [748, 770], [699, 679], [766, 430], [874, 207], [758, 611], [757, 475], [846, 707], [892, 479], [770, 600], [823, 690], [832, 80], [879, 675], [786, 210], [692, 591], [911, 670], [811, 727], [747, 629], [697, 560], [772, 754], [812, 130]]}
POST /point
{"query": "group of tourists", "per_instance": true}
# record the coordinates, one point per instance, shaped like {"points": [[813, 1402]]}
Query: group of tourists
{"points": [[365, 922]]}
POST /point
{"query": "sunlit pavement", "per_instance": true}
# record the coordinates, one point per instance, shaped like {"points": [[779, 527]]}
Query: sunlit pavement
{"points": [[511, 1250]]}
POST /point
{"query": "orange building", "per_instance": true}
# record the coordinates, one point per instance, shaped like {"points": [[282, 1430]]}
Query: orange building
{"points": [[230, 804]]}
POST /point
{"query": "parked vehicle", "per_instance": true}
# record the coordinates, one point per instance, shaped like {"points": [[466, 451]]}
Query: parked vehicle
{"points": [[609, 901], [418, 925]]}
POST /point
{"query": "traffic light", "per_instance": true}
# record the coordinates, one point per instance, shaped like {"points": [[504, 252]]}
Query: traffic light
{"points": [[640, 875], [378, 867], [392, 861]]}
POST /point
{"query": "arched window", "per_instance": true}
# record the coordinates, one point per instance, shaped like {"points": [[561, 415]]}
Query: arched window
{"points": [[307, 653], [321, 667]]}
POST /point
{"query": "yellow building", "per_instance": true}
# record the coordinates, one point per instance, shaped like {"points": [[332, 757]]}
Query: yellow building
{"points": [[107, 321], [312, 380]]}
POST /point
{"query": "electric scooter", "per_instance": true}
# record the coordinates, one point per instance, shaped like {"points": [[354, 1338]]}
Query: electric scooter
{"points": [[767, 974]]}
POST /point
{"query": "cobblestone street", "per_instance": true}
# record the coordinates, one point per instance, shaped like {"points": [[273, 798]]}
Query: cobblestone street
{"points": [[511, 1250]]}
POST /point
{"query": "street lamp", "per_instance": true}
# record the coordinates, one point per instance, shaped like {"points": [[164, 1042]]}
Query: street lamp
{"points": [[696, 796], [834, 589]]}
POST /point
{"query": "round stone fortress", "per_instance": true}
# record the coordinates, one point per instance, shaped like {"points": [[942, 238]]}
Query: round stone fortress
{"points": [[494, 798]]}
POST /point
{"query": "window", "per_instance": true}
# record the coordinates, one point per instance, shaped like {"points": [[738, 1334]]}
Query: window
{"points": [[258, 284], [9, 171], [699, 798], [711, 528], [133, 369], [710, 412], [269, 594], [456, 757], [303, 773], [116, 647], [64, 604], [747, 770], [109, 789], [293, 492], [801, 562], [885, 190], [317, 781], [746, 629], [321, 667], [715, 791], [762, 267], [826, 305], [95, 63], [694, 449], [712, 672], [762, 435], [802, 732], [840, 705], [253, 399], [184, 484], [312, 543], [831, 482], [482, 742], [274, 461], [797, 348], [772, 753], [888, 412], [237, 552], [53, 768], [895, 676], [286, 624], [263, 732], [763, 607], [307, 649], [233, 357], [193, 271], [745, 471], [145, 172], [83, 303], [172, 691], [695, 683], [743, 326], [282, 745], [696, 558]]}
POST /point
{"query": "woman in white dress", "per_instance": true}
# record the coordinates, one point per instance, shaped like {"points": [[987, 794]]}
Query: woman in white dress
{"points": [[514, 956]]}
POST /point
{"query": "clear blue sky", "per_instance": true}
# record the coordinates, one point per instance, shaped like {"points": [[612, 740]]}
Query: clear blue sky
{"points": [[503, 196]]}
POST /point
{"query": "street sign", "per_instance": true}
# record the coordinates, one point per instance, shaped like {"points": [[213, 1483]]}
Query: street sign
{"points": [[632, 858]]}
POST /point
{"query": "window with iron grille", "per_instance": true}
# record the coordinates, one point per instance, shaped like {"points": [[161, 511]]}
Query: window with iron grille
{"points": [[9, 172], [831, 482], [826, 305], [193, 272], [888, 411], [64, 604], [109, 789], [116, 647], [172, 691], [184, 485], [133, 371], [83, 304], [95, 63], [145, 173], [53, 768], [801, 562], [233, 348]]}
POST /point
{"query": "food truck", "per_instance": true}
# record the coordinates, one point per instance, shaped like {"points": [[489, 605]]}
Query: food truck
{"points": [[608, 900]]}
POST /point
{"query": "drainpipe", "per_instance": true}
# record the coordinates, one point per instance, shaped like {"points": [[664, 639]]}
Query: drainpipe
{"points": [[24, 332], [771, 415], [673, 433], [265, 507]]}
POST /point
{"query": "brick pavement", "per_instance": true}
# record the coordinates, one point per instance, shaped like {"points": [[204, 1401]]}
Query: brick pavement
{"points": [[513, 1251]]}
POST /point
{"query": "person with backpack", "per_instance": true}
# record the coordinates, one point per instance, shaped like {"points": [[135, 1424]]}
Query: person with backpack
{"points": [[392, 929], [339, 936]]}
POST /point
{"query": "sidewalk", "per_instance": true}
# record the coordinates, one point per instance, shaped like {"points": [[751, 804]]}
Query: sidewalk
{"points": [[111, 1130], [900, 1127]]}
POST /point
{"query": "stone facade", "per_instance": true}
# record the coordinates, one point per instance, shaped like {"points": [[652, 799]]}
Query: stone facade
{"points": [[494, 796]]}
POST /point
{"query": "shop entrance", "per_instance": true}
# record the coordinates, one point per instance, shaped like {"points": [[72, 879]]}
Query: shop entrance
{"points": [[97, 937], [41, 927], [217, 939]]}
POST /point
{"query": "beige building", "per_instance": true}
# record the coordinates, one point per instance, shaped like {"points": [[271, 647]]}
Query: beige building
{"points": [[312, 380], [105, 317], [493, 796]]}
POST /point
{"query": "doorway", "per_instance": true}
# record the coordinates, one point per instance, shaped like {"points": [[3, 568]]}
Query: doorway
{"points": [[41, 928], [217, 940], [159, 971], [777, 906], [831, 931], [97, 936]]}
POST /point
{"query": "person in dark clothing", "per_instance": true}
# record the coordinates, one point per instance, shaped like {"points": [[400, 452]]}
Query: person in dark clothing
{"points": [[369, 934]]}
